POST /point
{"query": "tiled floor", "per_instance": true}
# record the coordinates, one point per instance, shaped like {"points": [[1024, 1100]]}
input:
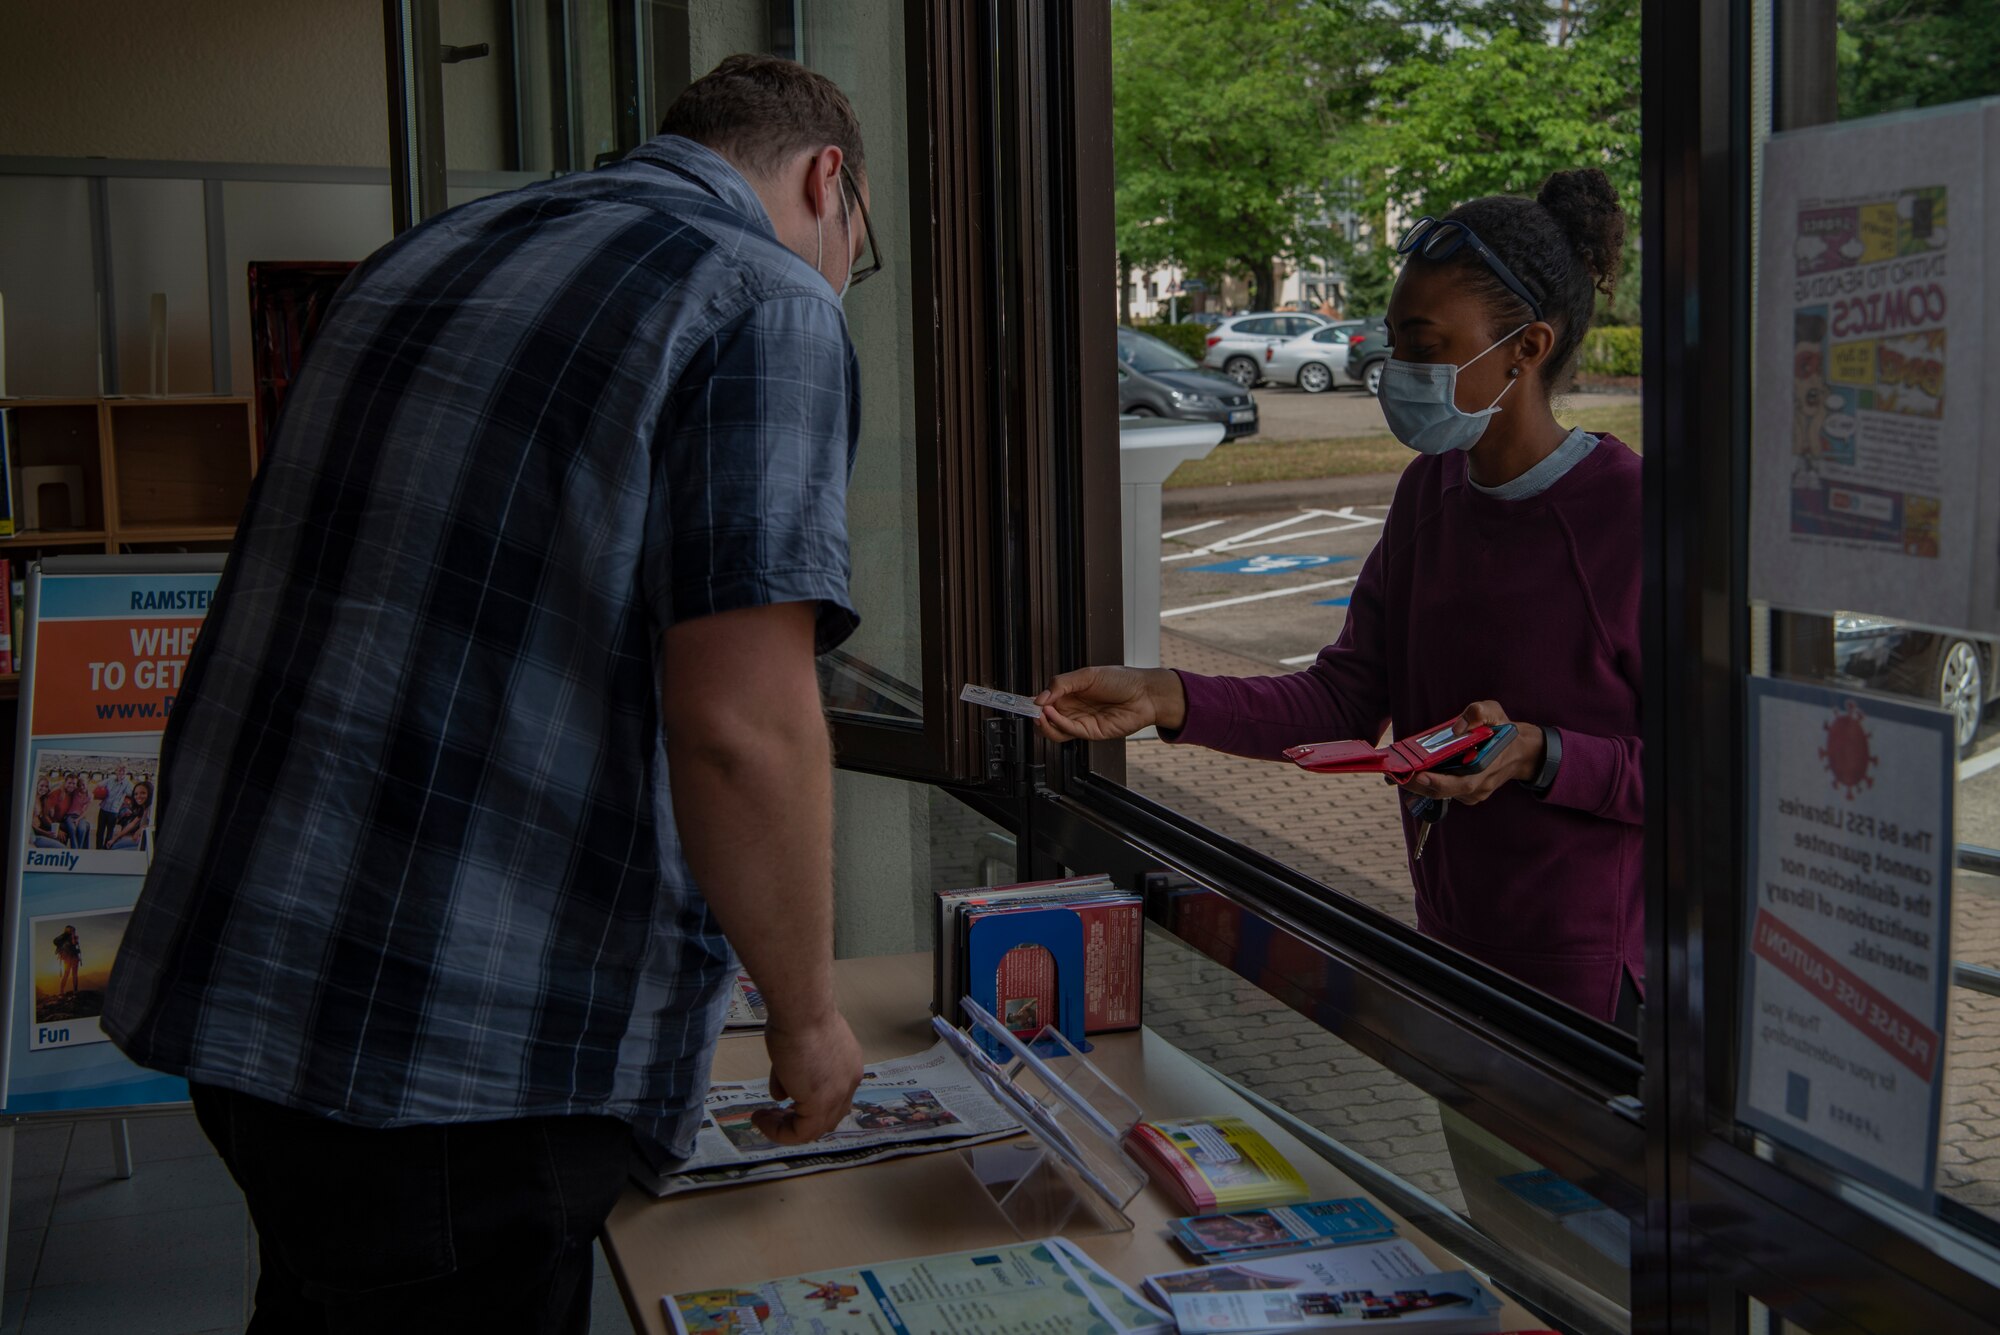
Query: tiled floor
{"points": [[168, 1252]]}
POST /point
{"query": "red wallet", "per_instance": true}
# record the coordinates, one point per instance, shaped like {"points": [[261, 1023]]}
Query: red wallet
{"points": [[1401, 760]]}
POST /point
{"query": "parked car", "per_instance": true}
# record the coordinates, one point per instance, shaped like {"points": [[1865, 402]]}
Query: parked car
{"points": [[1236, 346], [1367, 349], [1315, 362], [1209, 318], [1156, 379], [1956, 672]]}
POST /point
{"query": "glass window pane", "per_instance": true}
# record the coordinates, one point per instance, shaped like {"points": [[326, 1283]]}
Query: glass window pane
{"points": [[1866, 410], [1267, 537], [859, 44], [1541, 1233]]}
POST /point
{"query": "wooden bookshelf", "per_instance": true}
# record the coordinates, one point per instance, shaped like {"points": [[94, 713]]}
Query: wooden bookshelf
{"points": [[154, 471]]}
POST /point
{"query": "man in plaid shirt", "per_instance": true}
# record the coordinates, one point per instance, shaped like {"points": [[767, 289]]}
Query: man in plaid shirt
{"points": [[504, 727]]}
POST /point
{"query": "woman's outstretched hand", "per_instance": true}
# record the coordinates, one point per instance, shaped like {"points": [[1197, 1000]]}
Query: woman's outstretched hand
{"points": [[1100, 704]]}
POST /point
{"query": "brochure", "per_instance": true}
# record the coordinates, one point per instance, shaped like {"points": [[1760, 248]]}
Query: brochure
{"points": [[1206, 1162], [907, 1106], [1444, 1303], [1043, 1287], [1238, 1233], [1549, 1193], [1129, 1312], [1378, 1264], [746, 1006]]}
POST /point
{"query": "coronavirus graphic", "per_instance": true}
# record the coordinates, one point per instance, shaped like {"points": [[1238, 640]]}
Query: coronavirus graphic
{"points": [[1848, 756]]}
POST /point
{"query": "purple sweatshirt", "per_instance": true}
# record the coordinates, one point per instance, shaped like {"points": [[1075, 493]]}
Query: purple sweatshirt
{"points": [[1535, 604]]}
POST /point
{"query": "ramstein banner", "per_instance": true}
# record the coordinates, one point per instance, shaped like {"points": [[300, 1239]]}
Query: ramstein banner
{"points": [[107, 650], [1847, 929], [1874, 488]]}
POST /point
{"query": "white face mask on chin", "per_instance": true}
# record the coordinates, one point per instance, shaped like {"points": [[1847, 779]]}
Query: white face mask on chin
{"points": [[1420, 401]]}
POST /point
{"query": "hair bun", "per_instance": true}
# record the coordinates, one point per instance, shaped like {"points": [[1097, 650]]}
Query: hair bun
{"points": [[1585, 205]]}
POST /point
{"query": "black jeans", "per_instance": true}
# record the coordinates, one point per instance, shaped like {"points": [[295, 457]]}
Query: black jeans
{"points": [[481, 1226]]}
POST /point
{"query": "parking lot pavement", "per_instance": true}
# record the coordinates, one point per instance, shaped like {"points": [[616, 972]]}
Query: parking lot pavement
{"points": [[1273, 587], [1252, 594], [1284, 413]]}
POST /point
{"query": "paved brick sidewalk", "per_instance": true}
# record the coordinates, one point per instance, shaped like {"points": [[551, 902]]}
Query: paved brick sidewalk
{"points": [[1343, 831]]}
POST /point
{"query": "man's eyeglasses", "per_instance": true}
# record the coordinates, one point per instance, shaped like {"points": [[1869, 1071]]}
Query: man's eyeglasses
{"points": [[1434, 240], [870, 263]]}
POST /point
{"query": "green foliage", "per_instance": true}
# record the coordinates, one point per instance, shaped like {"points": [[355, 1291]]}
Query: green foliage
{"points": [[1371, 277], [1191, 339], [1242, 126], [1895, 54], [1612, 350], [1223, 111], [1496, 117]]}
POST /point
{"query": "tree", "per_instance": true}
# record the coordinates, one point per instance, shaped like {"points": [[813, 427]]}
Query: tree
{"points": [[1496, 117], [1219, 130], [1514, 93], [1895, 54]]}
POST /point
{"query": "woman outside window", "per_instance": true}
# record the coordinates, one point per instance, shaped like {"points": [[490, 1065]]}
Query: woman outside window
{"points": [[1505, 588]]}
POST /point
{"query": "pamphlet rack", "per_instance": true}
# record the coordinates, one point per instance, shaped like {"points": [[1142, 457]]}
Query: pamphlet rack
{"points": [[1073, 1172]]}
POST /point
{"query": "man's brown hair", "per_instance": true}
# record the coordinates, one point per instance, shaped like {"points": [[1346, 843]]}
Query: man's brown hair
{"points": [[757, 111]]}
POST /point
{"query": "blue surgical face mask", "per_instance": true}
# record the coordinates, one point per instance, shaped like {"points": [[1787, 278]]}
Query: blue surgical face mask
{"points": [[1420, 399]]}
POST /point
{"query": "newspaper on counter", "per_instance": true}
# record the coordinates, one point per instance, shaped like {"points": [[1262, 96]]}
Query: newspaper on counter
{"points": [[911, 1105], [1050, 1287]]}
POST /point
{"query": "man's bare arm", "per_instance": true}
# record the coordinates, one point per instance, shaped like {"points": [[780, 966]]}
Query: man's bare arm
{"points": [[752, 772]]}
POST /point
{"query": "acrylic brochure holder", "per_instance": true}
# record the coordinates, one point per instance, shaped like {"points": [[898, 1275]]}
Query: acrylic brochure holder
{"points": [[1072, 1173]]}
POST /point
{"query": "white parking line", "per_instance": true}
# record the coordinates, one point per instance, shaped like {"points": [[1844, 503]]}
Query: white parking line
{"points": [[1256, 597], [1193, 528], [1285, 537], [1300, 661], [1978, 765], [1257, 537]]}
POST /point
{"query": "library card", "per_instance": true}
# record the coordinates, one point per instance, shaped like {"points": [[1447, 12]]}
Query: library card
{"points": [[1002, 700]]}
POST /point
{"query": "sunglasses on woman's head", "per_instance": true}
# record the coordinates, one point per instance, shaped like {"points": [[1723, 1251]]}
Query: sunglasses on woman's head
{"points": [[1431, 239]]}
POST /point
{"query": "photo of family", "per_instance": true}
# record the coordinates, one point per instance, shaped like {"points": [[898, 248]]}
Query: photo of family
{"points": [[72, 955], [87, 804]]}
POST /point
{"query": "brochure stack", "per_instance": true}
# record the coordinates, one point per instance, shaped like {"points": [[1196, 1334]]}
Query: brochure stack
{"points": [[1206, 1163]]}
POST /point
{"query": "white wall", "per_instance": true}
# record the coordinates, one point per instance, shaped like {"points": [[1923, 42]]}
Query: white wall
{"points": [[299, 81], [48, 285]]}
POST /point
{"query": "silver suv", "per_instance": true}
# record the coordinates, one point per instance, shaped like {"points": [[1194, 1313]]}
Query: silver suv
{"points": [[1236, 346]]}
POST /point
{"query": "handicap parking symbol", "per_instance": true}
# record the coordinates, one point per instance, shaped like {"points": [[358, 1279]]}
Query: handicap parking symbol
{"points": [[1270, 563]]}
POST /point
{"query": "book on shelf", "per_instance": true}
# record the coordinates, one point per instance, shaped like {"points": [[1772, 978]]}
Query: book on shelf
{"points": [[1206, 1163], [7, 527], [1272, 1230], [6, 620], [1045, 1285], [1065, 953]]}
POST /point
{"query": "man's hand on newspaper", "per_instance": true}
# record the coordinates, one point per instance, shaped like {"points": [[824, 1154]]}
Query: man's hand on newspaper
{"points": [[818, 1067]]}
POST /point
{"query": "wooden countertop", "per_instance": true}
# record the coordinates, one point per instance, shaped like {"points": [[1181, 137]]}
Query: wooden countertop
{"points": [[927, 1203]]}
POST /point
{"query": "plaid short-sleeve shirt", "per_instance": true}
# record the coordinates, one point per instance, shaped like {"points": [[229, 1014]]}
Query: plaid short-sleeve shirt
{"points": [[416, 858]]}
